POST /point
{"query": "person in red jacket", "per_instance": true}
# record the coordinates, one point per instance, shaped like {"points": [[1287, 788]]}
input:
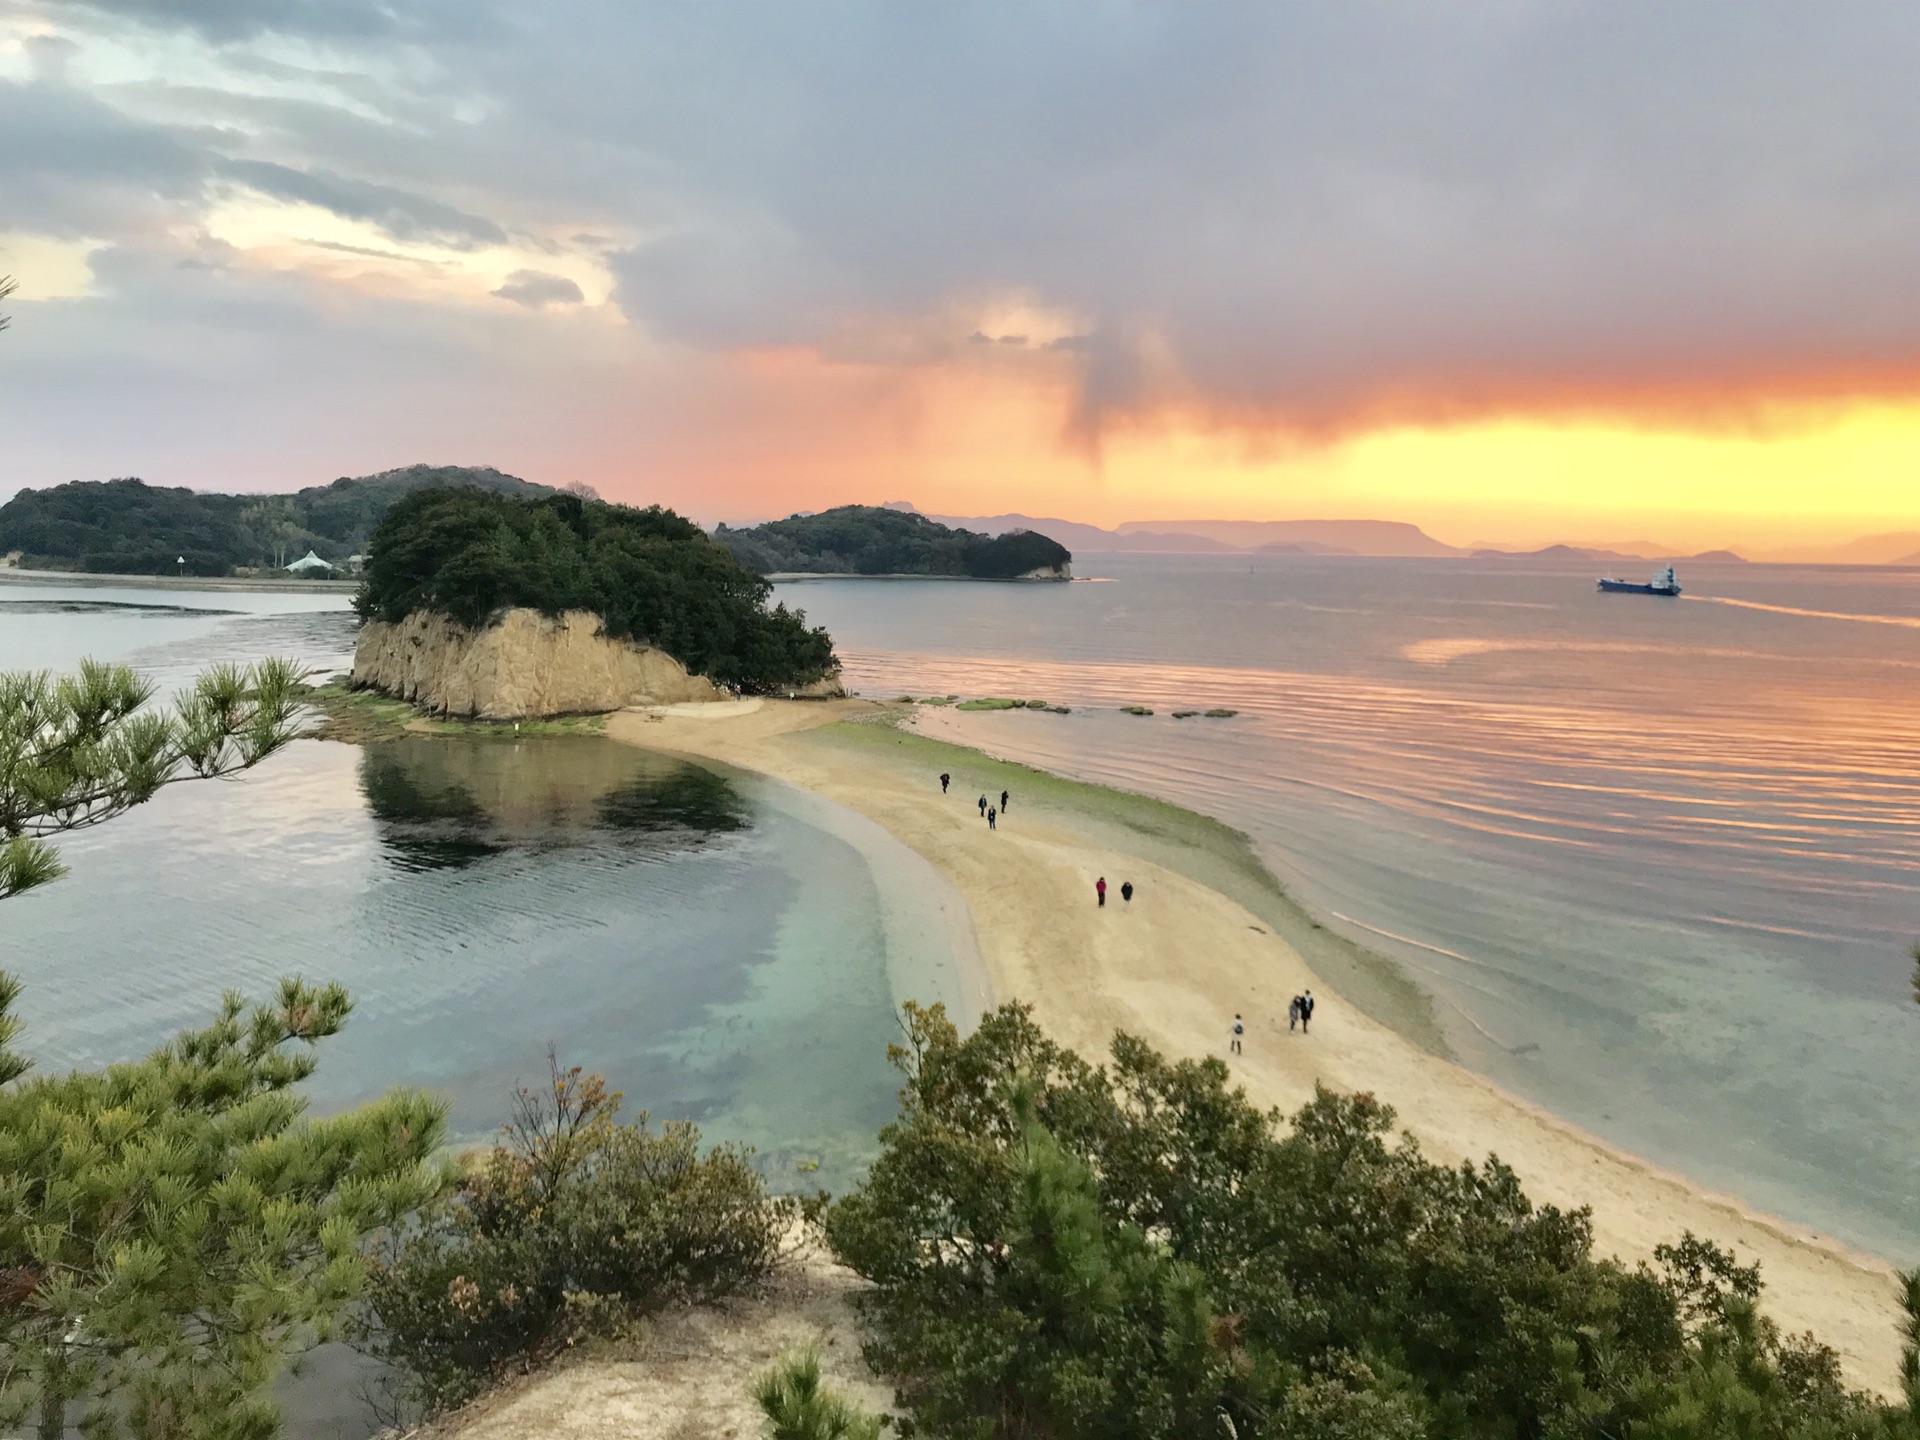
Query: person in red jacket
{"points": [[1100, 889]]}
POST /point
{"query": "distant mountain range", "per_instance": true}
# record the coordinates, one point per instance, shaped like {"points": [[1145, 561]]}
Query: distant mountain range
{"points": [[1595, 553], [1299, 537], [1272, 537]]}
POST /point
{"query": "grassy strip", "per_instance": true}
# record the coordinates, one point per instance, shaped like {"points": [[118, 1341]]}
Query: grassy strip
{"points": [[1197, 846], [362, 717]]}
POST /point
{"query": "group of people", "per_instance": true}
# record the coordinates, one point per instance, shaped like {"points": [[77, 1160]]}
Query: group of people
{"points": [[1299, 1016], [989, 812], [1100, 892]]}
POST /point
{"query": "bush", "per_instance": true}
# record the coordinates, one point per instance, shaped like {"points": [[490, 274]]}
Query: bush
{"points": [[650, 575], [574, 1225], [1136, 1253]]}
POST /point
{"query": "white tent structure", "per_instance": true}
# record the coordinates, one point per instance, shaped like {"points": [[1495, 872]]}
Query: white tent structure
{"points": [[308, 561]]}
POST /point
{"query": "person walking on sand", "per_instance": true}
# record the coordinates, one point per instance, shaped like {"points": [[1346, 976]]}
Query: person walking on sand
{"points": [[992, 815], [983, 805], [944, 779], [1126, 891], [1003, 802], [1100, 889], [1293, 1013], [1239, 1029], [1306, 1011]]}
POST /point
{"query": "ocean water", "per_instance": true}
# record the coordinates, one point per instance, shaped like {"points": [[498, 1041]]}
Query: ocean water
{"points": [[1657, 862], [723, 949]]}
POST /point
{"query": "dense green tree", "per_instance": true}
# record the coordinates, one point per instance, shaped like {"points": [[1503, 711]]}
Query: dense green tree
{"points": [[649, 574], [81, 749], [1134, 1251], [873, 540], [130, 527], [173, 1230]]}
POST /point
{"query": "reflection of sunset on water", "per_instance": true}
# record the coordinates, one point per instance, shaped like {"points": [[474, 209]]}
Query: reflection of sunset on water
{"points": [[1650, 858]]}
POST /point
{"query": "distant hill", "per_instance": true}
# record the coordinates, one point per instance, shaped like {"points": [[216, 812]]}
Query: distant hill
{"points": [[1300, 547], [1356, 537], [1898, 547], [878, 540], [1077, 536], [1589, 554], [1220, 537], [128, 527]]}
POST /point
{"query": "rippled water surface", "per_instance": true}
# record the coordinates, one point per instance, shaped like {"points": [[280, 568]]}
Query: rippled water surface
{"points": [[1655, 859]]}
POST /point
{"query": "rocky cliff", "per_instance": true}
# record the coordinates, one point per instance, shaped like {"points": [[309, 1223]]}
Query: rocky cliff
{"points": [[524, 666]]}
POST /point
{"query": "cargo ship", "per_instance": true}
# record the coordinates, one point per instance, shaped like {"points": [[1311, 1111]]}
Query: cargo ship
{"points": [[1665, 583]]}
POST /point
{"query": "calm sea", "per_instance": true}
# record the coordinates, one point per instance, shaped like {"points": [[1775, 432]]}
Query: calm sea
{"points": [[721, 948], [1655, 860]]}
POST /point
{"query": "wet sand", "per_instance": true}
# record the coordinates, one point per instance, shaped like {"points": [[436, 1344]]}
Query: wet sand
{"points": [[1178, 963]]}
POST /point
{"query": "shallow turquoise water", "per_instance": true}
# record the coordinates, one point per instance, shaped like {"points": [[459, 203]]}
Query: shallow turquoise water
{"points": [[718, 946]]}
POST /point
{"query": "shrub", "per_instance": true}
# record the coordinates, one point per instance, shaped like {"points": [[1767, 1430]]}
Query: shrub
{"points": [[799, 1406], [1135, 1252], [573, 1225]]}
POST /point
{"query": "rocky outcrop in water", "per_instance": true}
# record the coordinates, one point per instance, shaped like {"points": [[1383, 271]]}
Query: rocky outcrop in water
{"points": [[524, 666]]}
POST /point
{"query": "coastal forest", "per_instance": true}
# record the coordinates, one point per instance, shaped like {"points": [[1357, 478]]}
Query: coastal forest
{"points": [[872, 540], [128, 527], [650, 575]]}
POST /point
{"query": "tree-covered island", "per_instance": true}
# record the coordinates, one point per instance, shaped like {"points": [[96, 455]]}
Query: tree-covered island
{"points": [[128, 527], [649, 575], [872, 540]]}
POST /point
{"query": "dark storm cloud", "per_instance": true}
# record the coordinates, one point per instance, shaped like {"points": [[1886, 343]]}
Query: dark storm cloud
{"points": [[1301, 213]]}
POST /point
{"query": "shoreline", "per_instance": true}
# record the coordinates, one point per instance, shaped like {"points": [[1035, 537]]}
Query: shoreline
{"points": [[14, 575], [1088, 972]]}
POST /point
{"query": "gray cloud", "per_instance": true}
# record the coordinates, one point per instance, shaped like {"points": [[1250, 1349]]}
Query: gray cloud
{"points": [[536, 290], [402, 214], [1295, 213]]}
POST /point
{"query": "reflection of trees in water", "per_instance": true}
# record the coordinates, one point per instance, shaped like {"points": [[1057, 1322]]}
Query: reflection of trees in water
{"points": [[445, 802]]}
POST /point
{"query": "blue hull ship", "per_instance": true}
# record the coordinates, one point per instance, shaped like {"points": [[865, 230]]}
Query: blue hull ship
{"points": [[1665, 583]]}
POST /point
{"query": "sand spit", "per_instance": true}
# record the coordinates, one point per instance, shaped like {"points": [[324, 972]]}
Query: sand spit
{"points": [[1177, 964]]}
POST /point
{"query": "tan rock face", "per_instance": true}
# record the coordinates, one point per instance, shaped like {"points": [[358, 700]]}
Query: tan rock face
{"points": [[524, 667]]}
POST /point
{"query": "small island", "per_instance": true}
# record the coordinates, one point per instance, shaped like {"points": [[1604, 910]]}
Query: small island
{"points": [[872, 540], [128, 527], [502, 607]]}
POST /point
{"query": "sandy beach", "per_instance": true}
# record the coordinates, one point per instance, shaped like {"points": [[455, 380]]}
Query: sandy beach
{"points": [[1176, 964]]}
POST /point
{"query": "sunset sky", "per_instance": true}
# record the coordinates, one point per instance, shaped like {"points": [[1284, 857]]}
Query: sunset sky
{"points": [[1513, 270]]}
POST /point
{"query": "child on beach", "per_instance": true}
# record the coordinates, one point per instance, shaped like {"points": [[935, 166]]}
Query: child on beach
{"points": [[1293, 1013]]}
